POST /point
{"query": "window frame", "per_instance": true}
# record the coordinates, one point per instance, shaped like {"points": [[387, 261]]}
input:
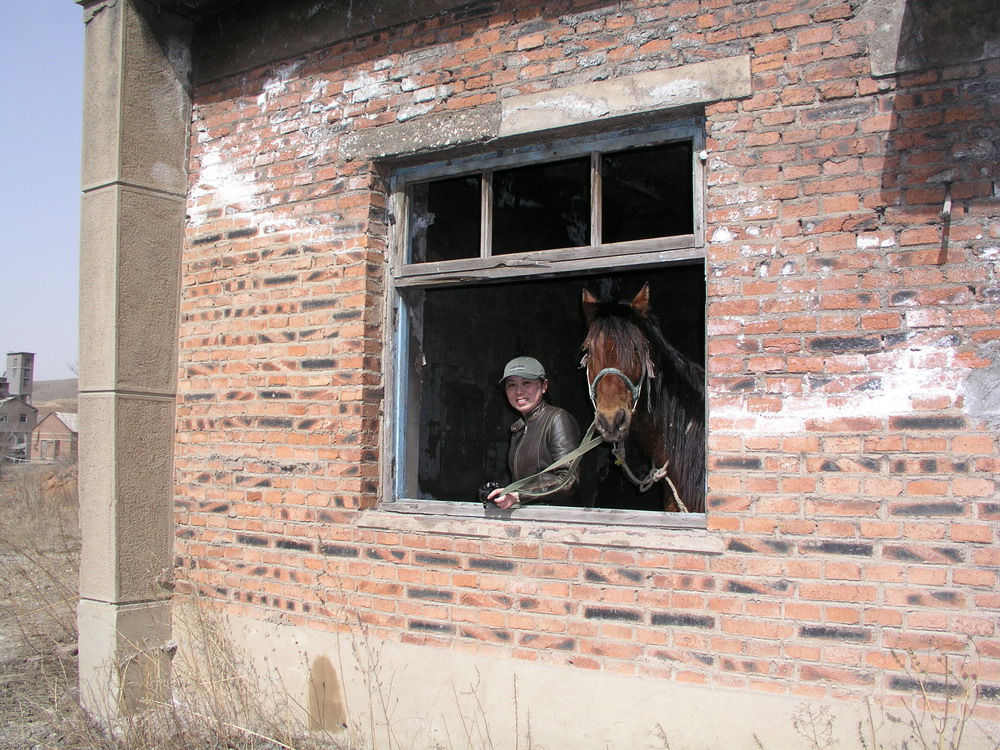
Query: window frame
{"points": [[564, 262]]}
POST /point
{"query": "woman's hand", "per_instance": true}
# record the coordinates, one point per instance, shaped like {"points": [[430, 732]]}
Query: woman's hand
{"points": [[504, 502]]}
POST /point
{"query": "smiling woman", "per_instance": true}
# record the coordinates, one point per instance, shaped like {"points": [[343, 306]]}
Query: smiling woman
{"points": [[543, 435]]}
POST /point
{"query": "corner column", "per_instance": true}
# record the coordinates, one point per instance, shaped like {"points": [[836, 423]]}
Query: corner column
{"points": [[137, 108]]}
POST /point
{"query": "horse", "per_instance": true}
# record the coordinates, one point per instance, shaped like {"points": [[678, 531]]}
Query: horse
{"points": [[640, 383]]}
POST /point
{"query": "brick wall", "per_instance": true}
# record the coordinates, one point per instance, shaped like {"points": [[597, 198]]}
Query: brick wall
{"points": [[851, 477]]}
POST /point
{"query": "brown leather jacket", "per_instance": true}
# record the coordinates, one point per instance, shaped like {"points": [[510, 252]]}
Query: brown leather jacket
{"points": [[545, 435]]}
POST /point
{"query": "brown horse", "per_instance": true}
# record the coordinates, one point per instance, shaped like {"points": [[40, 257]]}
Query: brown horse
{"points": [[640, 383]]}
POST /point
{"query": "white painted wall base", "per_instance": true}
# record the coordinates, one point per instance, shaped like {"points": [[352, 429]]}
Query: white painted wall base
{"points": [[412, 696]]}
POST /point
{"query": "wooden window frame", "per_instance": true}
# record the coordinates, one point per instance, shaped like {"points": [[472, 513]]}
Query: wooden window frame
{"points": [[622, 256]]}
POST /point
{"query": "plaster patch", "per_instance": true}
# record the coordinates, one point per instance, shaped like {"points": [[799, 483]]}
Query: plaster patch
{"points": [[683, 89], [571, 106], [723, 234], [277, 84], [219, 179], [364, 87], [983, 389], [924, 371]]}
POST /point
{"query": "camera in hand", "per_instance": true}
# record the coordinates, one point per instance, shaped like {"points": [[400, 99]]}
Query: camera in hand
{"points": [[486, 489]]}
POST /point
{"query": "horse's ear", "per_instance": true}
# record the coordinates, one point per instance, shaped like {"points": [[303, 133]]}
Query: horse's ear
{"points": [[640, 303], [589, 306]]}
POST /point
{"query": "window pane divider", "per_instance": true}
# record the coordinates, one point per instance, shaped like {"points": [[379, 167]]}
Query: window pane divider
{"points": [[596, 200], [486, 215]]}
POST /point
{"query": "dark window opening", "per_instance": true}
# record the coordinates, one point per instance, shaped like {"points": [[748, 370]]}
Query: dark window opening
{"points": [[646, 193], [456, 418], [541, 207], [444, 219]]}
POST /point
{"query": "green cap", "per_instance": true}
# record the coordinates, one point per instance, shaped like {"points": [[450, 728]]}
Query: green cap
{"points": [[524, 367]]}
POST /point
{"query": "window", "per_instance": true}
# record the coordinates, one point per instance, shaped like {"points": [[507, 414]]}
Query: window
{"points": [[23, 418], [492, 254]]}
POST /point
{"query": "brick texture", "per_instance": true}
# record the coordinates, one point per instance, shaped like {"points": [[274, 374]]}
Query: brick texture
{"points": [[853, 491]]}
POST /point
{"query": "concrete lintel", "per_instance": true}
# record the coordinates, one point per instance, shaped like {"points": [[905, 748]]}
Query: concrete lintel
{"points": [[641, 94], [686, 85]]}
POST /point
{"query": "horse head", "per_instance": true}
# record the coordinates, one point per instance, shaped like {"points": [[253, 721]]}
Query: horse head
{"points": [[617, 357]]}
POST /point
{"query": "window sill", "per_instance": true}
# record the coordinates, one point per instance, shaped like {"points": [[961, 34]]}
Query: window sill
{"points": [[572, 526]]}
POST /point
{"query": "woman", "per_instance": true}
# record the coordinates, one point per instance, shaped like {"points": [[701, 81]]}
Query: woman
{"points": [[543, 434]]}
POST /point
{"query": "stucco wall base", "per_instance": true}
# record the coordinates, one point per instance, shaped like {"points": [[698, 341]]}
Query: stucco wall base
{"points": [[429, 697], [125, 653]]}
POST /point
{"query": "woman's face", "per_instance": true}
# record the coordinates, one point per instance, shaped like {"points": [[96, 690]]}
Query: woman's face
{"points": [[523, 394]]}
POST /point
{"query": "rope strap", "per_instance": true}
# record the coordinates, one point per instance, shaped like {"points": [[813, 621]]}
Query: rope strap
{"points": [[573, 458], [654, 476]]}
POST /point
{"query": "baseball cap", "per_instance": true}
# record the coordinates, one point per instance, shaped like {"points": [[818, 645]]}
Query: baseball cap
{"points": [[524, 367]]}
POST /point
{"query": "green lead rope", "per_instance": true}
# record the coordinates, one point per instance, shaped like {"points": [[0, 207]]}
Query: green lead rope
{"points": [[572, 458]]}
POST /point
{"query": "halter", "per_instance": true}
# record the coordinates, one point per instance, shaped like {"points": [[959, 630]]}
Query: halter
{"points": [[618, 450], [634, 389]]}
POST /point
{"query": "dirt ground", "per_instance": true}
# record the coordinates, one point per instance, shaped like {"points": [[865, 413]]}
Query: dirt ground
{"points": [[39, 554]]}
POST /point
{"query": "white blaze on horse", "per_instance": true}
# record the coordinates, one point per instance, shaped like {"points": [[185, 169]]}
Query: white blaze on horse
{"points": [[642, 385]]}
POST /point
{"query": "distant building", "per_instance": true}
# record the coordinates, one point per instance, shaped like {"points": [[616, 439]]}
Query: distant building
{"points": [[17, 416], [55, 438], [20, 374]]}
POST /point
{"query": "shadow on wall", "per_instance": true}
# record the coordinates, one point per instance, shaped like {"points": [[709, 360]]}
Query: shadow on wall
{"points": [[940, 176]]}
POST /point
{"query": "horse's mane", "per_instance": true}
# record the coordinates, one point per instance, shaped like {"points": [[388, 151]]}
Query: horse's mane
{"points": [[635, 333], [676, 404]]}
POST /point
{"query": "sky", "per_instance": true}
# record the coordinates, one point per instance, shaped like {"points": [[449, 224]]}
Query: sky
{"points": [[41, 86]]}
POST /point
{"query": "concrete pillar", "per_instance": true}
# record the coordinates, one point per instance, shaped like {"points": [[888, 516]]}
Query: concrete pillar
{"points": [[136, 113]]}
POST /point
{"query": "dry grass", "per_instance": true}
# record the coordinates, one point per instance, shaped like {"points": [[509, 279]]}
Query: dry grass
{"points": [[217, 699]]}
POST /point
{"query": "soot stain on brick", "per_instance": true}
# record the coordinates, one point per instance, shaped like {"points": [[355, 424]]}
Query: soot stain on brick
{"points": [[936, 687], [989, 692], [592, 575], [632, 575], [338, 550], [436, 595], [950, 553], [854, 635], [927, 423], [611, 613], [252, 540], [740, 588], [671, 619], [431, 627], [902, 554], [927, 509], [857, 549], [737, 546], [491, 563], [948, 597], [839, 344], [318, 364], [739, 463], [428, 559], [293, 545]]}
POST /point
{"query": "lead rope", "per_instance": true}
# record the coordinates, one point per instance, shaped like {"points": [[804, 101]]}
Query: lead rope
{"points": [[572, 458], [654, 476]]}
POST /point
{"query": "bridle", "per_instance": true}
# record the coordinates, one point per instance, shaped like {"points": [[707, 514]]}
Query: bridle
{"points": [[634, 389], [618, 450]]}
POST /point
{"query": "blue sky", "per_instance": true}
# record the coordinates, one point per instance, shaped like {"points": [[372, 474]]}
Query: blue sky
{"points": [[41, 61]]}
